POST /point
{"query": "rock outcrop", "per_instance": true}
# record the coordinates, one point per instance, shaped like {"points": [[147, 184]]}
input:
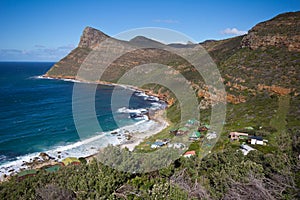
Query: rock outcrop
{"points": [[281, 31], [91, 37]]}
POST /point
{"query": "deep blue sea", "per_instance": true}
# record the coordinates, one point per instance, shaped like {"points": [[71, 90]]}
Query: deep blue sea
{"points": [[36, 114]]}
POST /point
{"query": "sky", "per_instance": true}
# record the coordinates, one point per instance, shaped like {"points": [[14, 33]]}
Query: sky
{"points": [[47, 30]]}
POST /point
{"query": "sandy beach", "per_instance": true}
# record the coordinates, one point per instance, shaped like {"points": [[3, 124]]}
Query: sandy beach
{"points": [[128, 137]]}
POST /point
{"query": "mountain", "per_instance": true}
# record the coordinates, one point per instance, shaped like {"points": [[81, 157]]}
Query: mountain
{"points": [[91, 38], [264, 60], [145, 42]]}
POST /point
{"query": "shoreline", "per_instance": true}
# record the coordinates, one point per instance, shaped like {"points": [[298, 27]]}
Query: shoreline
{"points": [[158, 123], [140, 137], [130, 87], [138, 133]]}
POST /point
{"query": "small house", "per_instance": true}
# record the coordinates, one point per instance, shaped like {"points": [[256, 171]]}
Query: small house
{"points": [[195, 135], [183, 131], [246, 149], [238, 135], [257, 140], [189, 154], [166, 141], [192, 122], [211, 135], [202, 129], [71, 161], [157, 144], [176, 145]]}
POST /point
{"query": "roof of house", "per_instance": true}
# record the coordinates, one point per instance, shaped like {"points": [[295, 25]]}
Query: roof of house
{"points": [[183, 129], [70, 160], [211, 135], [158, 143], [192, 121], [196, 134], [247, 147], [238, 133], [190, 153], [256, 137]]}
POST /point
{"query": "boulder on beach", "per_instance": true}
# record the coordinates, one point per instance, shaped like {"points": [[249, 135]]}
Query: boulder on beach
{"points": [[45, 156]]}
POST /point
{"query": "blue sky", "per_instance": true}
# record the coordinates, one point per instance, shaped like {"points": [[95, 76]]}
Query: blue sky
{"points": [[40, 30]]}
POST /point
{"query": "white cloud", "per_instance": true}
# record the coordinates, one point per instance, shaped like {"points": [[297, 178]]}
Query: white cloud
{"points": [[166, 21], [38, 53], [233, 31]]}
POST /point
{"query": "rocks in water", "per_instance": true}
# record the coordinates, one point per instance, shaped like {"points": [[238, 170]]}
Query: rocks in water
{"points": [[114, 133], [128, 136]]}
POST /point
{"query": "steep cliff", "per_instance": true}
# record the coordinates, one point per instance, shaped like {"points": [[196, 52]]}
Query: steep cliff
{"points": [[91, 37], [69, 65]]}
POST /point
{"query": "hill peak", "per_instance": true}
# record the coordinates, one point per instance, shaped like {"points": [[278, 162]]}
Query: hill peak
{"points": [[144, 41], [91, 37], [280, 31]]}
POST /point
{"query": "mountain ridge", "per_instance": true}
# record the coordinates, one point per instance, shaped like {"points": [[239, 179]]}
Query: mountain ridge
{"points": [[248, 63]]}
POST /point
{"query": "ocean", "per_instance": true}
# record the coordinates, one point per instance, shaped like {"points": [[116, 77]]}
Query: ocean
{"points": [[36, 115]]}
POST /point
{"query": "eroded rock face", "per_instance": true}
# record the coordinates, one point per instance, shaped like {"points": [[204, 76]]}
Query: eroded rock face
{"points": [[91, 37], [281, 31], [276, 89]]}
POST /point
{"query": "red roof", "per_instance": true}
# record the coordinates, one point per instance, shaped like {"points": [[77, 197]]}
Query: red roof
{"points": [[190, 153]]}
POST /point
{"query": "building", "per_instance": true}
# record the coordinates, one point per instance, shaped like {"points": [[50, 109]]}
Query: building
{"points": [[246, 149], [202, 129], [238, 135], [71, 161], [189, 154], [211, 135], [182, 131], [195, 135], [176, 145], [257, 140], [192, 122], [157, 144]]}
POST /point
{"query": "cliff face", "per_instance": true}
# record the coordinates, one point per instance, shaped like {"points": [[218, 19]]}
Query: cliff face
{"points": [[281, 31], [91, 37], [266, 60]]}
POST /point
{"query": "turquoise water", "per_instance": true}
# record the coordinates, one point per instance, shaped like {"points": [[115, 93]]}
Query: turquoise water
{"points": [[36, 114]]}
